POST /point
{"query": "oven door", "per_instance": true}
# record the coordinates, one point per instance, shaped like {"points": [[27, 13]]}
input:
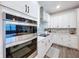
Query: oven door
{"points": [[24, 50]]}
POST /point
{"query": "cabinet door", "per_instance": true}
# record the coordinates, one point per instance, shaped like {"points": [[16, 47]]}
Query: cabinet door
{"points": [[55, 22], [50, 40], [71, 19], [48, 25], [30, 8], [44, 15], [73, 43], [47, 43], [16, 5], [41, 48], [51, 22], [64, 19], [77, 10], [33, 9]]}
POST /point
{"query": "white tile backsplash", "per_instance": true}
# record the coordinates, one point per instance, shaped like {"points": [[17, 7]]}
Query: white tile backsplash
{"points": [[60, 30]]}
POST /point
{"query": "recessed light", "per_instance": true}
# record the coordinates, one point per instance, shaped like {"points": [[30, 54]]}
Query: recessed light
{"points": [[58, 6]]}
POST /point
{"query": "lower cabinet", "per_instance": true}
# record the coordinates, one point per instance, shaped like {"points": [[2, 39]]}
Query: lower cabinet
{"points": [[66, 41], [43, 46]]}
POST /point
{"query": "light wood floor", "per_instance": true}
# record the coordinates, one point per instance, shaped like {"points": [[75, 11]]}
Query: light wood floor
{"points": [[66, 52]]}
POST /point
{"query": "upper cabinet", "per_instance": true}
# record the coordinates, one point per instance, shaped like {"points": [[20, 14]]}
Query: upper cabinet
{"points": [[77, 17], [33, 9], [64, 19], [30, 8], [47, 19]]}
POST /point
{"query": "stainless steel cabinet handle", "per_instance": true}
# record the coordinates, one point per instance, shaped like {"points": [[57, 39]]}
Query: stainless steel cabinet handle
{"points": [[28, 9], [25, 8]]}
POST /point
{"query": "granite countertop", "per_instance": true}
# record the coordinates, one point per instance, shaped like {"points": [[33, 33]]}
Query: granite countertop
{"points": [[66, 39], [63, 39]]}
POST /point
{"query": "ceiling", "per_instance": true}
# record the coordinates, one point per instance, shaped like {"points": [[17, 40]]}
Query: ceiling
{"points": [[50, 6]]}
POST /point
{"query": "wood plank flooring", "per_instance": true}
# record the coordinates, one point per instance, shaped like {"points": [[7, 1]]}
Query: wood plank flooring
{"points": [[66, 52]]}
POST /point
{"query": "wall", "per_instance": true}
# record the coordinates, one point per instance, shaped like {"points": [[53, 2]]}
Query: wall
{"points": [[41, 28]]}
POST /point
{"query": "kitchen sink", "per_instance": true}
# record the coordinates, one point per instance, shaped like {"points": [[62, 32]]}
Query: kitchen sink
{"points": [[43, 35]]}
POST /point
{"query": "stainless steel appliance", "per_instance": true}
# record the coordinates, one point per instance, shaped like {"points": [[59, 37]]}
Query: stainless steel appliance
{"points": [[22, 50]]}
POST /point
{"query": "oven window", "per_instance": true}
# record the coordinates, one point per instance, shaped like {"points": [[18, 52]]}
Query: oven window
{"points": [[15, 30], [10, 30]]}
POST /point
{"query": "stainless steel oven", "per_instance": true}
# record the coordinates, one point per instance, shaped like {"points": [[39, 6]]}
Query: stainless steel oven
{"points": [[13, 30], [23, 50], [12, 33]]}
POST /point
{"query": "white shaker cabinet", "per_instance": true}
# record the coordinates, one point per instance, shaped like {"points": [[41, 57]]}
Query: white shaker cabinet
{"points": [[66, 40], [77, 17], [28, 8], [43, 46], [34, 9], [77, 30], [66, 19], [49, 22], [71, 19], [47, 19]]}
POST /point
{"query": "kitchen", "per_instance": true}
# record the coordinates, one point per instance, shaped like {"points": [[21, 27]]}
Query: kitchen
{"points": [[39, 29], [61, 22]]}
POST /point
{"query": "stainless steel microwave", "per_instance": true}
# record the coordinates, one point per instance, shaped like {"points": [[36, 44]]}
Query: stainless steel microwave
{"points": [[15, 30]]}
